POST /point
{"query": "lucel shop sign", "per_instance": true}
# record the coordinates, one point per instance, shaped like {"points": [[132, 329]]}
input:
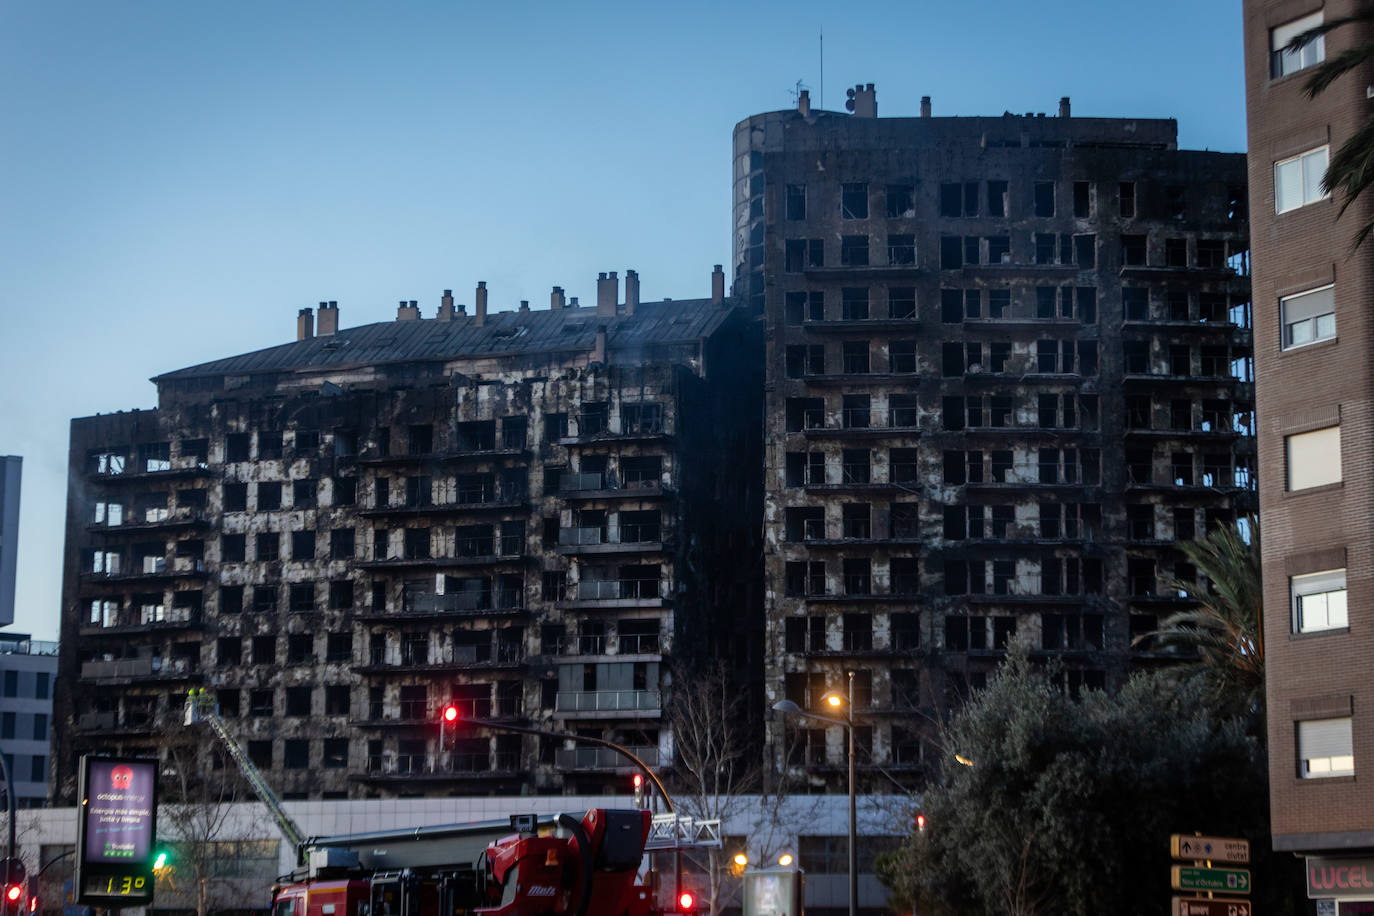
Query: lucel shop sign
{"points": [[1344, 878]]}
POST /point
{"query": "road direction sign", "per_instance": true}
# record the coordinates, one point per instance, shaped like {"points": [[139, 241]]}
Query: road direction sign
{"points": [[1213, 848], [1191, 906], [1226, 880]]}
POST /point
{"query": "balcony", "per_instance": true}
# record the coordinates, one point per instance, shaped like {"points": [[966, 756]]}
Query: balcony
{"points": [[605, 486], [457, 658], [176, 619], [153, 569], [603, 758], [176, 519], [483, 499], [606, 703], [183, 470], [463, 604], [426, 768], [616, 593], [863, 423], [125, 670], [425, 713], [109, 723], [600, 540], [636, 432]]}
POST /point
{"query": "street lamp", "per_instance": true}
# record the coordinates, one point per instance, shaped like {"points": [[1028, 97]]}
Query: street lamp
{"points": [[846, 705]]}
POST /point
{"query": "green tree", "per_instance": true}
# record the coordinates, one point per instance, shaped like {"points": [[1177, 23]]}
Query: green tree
{"points": [[1067, 805], [1222, 636], [1351, 168]]}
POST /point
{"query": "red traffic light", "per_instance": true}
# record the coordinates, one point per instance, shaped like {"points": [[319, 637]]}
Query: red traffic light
{"points": [[13, 893], [920, 822], [685, 901], [450, 714], [639, 780]]}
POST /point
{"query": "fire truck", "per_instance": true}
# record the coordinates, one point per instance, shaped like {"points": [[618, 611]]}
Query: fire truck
{"points": [[604, 862]]}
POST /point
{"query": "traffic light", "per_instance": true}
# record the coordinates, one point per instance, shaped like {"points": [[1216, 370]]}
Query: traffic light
{"points": [[686, 902], [14, 897], [639, 789], [921, 823], [162, 859], [450, 713]]}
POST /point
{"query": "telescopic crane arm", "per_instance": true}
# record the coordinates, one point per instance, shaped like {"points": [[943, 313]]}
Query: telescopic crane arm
{"points": [[200, 707]]}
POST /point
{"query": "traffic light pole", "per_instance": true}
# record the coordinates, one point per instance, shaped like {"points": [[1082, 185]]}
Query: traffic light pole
{"points": [[585, 739], [9, 805]]}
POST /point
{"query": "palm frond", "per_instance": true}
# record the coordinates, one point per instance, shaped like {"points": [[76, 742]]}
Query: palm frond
{"points": [[1221, 634], [1333, 68], [1351, 171]]}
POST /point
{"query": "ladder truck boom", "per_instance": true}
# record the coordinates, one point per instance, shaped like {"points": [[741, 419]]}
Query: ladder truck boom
{"points": [[200, 707]]}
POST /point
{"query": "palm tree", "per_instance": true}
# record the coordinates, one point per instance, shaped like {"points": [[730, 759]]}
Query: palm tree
{"points": [[1223, 632], [1351, 169]]}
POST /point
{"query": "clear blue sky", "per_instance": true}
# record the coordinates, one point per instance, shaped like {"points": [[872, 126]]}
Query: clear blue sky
{"points": [[180, 178]]}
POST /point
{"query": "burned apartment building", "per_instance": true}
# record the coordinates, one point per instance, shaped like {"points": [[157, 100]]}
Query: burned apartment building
{"points": [[509, 511], [1008, 369]]}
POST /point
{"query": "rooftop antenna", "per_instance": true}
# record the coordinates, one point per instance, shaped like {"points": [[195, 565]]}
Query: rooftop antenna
{"points": [[796, 92], [820, 92]]}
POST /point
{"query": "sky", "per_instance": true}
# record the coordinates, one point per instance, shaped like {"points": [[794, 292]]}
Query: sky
{"points": [[178, 179]]}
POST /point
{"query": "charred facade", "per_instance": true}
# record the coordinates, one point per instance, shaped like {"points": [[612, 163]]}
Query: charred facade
{"points": [[510, 512], [1008, 368]]}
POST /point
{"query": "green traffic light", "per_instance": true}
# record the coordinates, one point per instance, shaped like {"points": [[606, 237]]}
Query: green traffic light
{"points": [[160, 862]]}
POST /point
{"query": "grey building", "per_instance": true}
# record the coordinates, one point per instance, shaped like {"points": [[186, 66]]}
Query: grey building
{"points": [[1008, 368], [11, 469], [340, 535], [28, 671]]}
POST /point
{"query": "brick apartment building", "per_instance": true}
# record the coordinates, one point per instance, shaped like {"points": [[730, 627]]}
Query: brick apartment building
{"points": [[1008, 367], [1315, 367], [336, 536]]}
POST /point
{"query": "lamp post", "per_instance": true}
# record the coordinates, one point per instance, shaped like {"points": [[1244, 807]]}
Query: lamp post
{"points": [[835, 701]]}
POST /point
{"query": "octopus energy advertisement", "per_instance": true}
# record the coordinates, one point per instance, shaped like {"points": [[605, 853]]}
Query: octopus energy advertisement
{"points": [[115, 831]]}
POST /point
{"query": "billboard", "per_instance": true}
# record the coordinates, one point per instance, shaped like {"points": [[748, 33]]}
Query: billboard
{"points": [[116, 829]]}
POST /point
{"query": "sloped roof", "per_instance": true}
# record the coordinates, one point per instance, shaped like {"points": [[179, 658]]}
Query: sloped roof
{"points": [[510, 333]]}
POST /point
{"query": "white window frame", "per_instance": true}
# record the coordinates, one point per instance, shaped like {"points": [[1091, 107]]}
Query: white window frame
{"points": [[1310, 312], [1326, 748], [1319, 601], [1303, 168], [1303, 452], [1283, 63]]}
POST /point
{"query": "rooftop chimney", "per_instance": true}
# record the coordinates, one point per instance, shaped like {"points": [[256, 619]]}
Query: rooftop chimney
{"points": [[557, 300], [607, 294], [804, 102], [524, 305], [718, 285], [407, 311], [446, 306], [925, 106], [479, 311], [572, 303], [631, 291], [1064, 107], [862, 101], [329, 319], [305, 324]]}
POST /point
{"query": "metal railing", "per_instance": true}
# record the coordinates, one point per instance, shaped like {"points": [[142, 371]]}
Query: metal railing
{"points": [[606, 700], [613, 589], [639, 643], [602, 758]]}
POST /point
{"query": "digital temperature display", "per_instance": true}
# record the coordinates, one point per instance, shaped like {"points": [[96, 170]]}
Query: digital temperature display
{"points": [[121, 886]]}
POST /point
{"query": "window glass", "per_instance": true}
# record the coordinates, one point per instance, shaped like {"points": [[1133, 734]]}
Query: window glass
{"points": [[1308, 317], [1319, 601], [1314, 459], [1283, 62], [1325, 748], [1298, 181]]}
